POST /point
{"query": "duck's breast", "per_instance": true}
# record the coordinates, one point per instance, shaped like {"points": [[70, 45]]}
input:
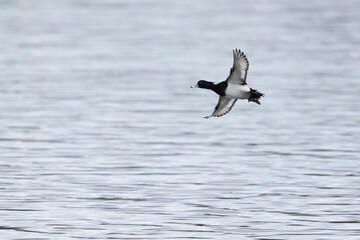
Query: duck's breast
{"points": [[237, 91]]}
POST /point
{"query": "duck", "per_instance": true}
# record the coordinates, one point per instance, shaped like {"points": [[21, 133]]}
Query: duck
{"points": [[233, 88]]}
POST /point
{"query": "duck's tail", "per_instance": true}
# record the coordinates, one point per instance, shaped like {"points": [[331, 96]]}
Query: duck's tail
{"points": [[255, 96]]}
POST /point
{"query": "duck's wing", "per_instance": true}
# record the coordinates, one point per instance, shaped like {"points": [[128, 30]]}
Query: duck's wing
{"points": [[239, 69], [223, 107]]}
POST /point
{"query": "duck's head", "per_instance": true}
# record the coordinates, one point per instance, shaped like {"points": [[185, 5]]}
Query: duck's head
{"points": [[203, 84]]}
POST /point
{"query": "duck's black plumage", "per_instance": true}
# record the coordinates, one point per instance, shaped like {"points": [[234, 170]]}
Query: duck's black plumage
{"points": [[219, 88], [234, 87]]}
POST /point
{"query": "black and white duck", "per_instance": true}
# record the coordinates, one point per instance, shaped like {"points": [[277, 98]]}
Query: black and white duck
{"points": [[233, 88]]}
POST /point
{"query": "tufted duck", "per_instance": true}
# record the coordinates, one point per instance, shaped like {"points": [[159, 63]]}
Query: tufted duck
{"points": [[233, 88]]}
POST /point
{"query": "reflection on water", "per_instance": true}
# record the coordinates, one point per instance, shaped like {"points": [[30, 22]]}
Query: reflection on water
{"points": [[101, 136]]}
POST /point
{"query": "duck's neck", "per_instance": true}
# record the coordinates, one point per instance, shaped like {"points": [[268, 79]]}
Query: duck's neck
{"points": [[219, 88]]}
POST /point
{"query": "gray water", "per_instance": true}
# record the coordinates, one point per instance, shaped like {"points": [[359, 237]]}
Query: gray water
{"points": [[101, 136]]}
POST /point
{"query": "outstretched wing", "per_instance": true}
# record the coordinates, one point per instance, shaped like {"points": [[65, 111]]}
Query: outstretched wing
{"points": [[239, 69], [223, 107]]}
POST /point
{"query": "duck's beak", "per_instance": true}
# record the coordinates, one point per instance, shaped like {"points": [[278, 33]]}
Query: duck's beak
{"points": [[195, 86]]}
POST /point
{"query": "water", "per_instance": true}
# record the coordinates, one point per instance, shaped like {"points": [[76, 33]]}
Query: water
{"points": [[101, 136]]}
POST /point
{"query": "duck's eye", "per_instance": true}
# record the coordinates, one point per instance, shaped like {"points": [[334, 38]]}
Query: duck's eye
{"points": [[201, 82]]}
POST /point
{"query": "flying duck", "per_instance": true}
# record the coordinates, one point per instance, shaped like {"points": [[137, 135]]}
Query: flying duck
{"points": [[233, 88]]}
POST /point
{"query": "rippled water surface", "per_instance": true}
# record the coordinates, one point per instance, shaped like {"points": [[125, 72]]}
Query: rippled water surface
{"points": [[101, 136]]}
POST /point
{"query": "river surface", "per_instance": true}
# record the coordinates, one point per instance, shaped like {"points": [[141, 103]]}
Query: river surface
{"points": [[101, 136]]}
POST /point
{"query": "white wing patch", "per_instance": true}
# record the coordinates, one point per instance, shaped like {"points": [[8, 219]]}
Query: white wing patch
{"points": [[239, 69], [223, 107]]}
